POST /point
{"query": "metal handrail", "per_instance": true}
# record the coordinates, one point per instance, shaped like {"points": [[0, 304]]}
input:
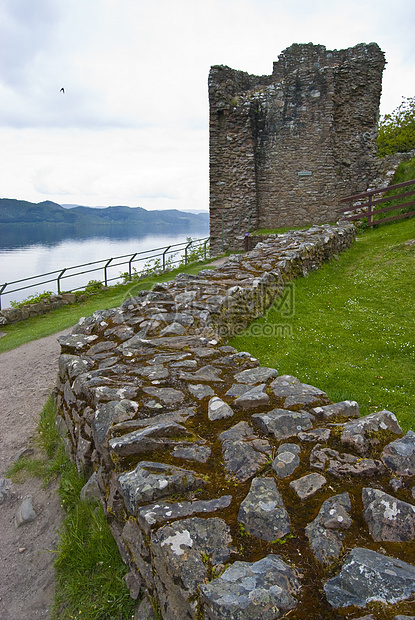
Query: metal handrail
{"points": [[104, 264]]}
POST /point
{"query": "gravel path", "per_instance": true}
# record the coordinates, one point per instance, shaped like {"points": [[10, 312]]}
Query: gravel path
{"points": [[27, 377]]}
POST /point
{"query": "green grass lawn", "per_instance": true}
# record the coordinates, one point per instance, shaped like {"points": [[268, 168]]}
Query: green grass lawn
{"points": [[353, 329]]}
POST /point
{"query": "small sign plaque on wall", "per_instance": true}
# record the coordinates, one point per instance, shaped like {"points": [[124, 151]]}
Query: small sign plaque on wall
{"points": [[305, 173]]}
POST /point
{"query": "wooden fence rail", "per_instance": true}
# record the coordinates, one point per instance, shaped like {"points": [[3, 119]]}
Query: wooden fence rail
{"points": [[367, 206]]}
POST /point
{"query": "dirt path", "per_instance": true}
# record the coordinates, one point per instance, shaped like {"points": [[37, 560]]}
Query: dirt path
{"points": [[27, 377]]}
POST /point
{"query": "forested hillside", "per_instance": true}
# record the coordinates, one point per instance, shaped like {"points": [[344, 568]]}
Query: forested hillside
{"points": [[23, 212]]}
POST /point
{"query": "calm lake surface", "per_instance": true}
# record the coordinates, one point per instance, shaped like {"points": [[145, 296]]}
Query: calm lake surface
{"points": [[29, 252]]}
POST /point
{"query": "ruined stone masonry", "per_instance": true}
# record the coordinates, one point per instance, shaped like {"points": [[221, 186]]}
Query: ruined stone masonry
{"points": [[234, 492], [53, 302], [286, 147]]}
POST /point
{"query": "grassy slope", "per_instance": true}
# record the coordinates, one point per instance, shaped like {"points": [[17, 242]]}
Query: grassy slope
{"points": [[353, 329]]}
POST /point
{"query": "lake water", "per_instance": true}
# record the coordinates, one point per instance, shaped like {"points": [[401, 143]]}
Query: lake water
{"points": [[32, 251]]}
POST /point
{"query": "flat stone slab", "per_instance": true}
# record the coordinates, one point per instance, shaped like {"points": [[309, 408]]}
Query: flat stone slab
{"points": [[368, 576], [262, 590], [75, 343], [73, 365], [148, 438], [326, 532], [135, 344], [184, 364], [151, 481], [154, 514], [179, 415], [165, 358], [237, 389], [206, 374], [308, 485], [174, 317], [109, 414], [295, 394], [253, 376], [253, 398], [345, 409], [167, 396], [25, 513], [399, 455], [205, 352], [286, 460], [344, 464], [283, 424], [262, 512], [316, 434], [105, 394], [200, 391], [362, 434], [388, 518], [283, 381], [155, 372], [174, 329], [244, 454], [193, 452], [182, 554], [101, 347], [218, 409]]}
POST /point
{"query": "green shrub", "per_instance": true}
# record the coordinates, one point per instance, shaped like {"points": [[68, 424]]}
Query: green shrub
{"points": [[92, 287], [31, 299], [397, 130], [194, 253], [155, 265]]}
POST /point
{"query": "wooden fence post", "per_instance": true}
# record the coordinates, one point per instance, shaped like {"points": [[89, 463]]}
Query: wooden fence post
{"points": [[370, 212]]}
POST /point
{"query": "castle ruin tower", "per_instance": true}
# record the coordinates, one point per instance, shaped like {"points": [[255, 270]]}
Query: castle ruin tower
{"points": [[286, 147]]}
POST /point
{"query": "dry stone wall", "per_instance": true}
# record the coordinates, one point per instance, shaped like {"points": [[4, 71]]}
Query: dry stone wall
{"points": [[53, 302], [233, 492], [286, 147]]}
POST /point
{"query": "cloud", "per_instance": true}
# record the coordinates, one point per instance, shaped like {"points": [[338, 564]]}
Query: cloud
{"points": [[26, 30], [132, 126], [123, 166]]}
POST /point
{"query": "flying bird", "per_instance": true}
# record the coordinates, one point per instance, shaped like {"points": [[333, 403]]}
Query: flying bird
{"points": [[62, 90]]}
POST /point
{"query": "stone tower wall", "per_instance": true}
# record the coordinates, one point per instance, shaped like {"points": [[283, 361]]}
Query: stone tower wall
{"points": [[284, 148]]}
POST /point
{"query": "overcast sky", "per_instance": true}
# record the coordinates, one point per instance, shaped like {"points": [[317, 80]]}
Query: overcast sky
{"points": [[132, 125]]}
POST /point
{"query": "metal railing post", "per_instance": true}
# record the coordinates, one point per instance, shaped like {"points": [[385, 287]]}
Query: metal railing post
{"points": [[185, 251], [164, 257], [129, 258], [59, 280], [1, 290], [130, 273], [105, 271], [205, 248]]}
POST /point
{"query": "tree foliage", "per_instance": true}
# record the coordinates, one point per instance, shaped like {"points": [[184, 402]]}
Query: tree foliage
{"points": [[397, 130]]}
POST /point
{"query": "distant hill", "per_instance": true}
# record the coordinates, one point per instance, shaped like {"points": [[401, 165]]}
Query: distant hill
{"points": [[50, 213]]}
